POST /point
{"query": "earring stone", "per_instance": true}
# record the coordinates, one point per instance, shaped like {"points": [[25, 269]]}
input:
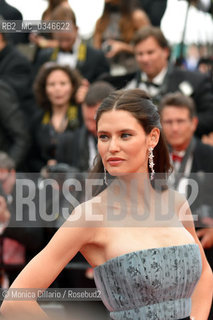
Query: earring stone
{"points": [[105, 177], [151, 163]]}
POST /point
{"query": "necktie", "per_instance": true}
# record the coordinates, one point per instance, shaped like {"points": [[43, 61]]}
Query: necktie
{"points": [[176, 157], [151, 84]]}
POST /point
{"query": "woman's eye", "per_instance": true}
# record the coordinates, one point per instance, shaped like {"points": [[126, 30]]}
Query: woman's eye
{"points": [[103, 137], [125, 135]]}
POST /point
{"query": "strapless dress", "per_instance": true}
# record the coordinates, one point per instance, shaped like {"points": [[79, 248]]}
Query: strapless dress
{"points": [[150, 284]]}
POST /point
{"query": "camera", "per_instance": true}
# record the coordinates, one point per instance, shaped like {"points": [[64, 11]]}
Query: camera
{"points": [[106, 47]]}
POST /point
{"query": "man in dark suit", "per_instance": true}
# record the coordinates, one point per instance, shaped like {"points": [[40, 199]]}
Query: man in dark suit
{"points": [[16, 70], [72, 50], [14, 136], [190, 157], [192, 160], [157, 76], [179, 122], [78, 148]]}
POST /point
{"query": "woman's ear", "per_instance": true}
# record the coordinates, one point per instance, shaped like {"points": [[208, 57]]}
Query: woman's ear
{"points": [[154, 137]]}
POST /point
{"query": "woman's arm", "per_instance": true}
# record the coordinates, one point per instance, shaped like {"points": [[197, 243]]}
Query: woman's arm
{"points": [[42, 270], [202, 295]]}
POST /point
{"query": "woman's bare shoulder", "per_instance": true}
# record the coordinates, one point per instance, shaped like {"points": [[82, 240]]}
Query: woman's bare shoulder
{"points": [[175, 200], [181, 206], [178, 197], [89, 213]]}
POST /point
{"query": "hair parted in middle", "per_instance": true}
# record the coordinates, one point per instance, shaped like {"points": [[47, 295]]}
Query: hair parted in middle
{"points": [[139, 104]]}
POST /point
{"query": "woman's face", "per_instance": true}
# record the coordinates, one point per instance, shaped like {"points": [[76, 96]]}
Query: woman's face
{"points": [[122, 143], [58, 88]]}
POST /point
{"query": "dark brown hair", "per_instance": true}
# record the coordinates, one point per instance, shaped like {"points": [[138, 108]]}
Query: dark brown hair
{"points": [[139, 104], [126, 23], [150, 31], [178, 100], [41, 79]]}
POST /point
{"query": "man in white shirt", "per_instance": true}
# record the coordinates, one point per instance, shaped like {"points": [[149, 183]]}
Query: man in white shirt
{"points": [[158, 77]]}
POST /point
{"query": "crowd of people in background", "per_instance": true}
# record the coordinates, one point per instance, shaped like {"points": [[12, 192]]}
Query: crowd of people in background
{"points": [[48, 104]]}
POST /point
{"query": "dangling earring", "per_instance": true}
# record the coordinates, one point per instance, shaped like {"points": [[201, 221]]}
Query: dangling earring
{"points": [[105, 177], [151, 163]]}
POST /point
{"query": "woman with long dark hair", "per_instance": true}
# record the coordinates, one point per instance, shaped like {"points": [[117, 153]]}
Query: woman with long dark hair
{"points": [[136, 233]]}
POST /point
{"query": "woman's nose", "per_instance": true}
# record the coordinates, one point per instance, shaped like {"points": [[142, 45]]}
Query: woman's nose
{"points": [[114, 145]]}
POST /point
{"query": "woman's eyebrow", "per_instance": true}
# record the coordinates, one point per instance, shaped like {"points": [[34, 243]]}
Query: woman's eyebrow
{"points": [[127, 129], [102, 131], [122, 130]]}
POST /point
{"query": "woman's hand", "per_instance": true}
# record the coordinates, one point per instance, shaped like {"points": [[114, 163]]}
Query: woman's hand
{"points": [[117, 47], [43, 42], [82, 91], [208, 139]]}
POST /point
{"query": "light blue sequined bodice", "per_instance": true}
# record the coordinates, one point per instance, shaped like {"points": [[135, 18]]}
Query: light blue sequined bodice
{"points": [[151, 284]]}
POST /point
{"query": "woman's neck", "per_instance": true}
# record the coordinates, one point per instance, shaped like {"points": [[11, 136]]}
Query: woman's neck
{"points": [[130, 197], [132, 186], [58, 119], [60, 109]]}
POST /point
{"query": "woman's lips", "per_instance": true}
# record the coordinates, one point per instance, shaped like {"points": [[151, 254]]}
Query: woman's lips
{"points": [[115, 161]]}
